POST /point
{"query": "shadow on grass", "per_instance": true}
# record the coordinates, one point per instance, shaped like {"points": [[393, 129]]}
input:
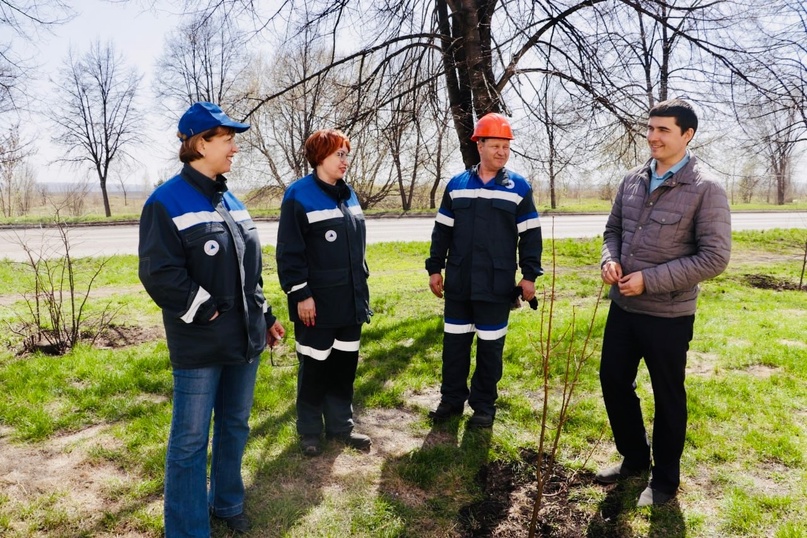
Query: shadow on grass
{"points": [[378, 365], [286, 485], [428, 486], [619, 505]]}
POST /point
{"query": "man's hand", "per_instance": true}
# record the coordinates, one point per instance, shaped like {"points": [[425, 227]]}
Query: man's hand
{"points": [[527, 289], [274, 333], [632, 285], [611, 272], [307, 312], [436, 284]]}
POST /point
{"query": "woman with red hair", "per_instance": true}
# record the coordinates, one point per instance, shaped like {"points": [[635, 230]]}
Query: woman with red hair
{"points": [[322, 268]]}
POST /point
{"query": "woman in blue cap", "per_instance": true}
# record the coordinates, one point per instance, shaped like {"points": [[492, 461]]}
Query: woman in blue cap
{"points": [[200, 261]]}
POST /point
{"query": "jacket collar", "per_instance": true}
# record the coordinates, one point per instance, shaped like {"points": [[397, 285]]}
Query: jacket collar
{"points": [[502, 176], [338, 192], [202, 183], [686, 174]]}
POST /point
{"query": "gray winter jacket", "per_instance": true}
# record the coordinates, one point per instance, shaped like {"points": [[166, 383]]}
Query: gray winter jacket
{"points": [[677, 236]]}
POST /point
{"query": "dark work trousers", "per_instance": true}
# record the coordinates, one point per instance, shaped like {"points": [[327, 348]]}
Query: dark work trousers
{"points": [[489, 322], [328, 359], [663, 343]]}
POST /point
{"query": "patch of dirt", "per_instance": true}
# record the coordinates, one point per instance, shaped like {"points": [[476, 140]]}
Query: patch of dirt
{"points": [[767, 282], [702, 364], [510, 490], [761, 371], [58, 475], [116, 336]]}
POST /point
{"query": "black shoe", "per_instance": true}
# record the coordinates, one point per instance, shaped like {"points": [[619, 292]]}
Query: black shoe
{"points": [[238, 523], [309, 444], [614, 474], [480, 420], [445, 411], [359, 441], [654, 497]]}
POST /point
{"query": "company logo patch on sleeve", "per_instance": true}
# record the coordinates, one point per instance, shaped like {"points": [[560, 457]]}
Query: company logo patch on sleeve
{"points": [[330, 236]]}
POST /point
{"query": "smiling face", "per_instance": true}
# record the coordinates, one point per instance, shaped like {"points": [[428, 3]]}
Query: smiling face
{"points": [[493, 155], [668, 144], [217, 155], [334, 166]]}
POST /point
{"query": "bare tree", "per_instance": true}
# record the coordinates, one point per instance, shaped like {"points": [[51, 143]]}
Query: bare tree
{"points": [[13, 153], [96, 117], [204, 60], [612, 58], [21, 20], [280, 129], [770, 102]]}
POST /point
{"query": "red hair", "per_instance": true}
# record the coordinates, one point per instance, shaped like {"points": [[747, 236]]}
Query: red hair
{"points": [[323, 143]]}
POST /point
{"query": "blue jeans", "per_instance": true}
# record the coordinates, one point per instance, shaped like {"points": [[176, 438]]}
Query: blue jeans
{"points": [[227, 393]]}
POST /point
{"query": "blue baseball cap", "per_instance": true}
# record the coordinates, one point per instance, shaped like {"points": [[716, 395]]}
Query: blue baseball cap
{"points": [[203, 116]]}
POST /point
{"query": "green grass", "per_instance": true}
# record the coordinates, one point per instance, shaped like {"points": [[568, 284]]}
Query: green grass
{"points": [[744, 466]]}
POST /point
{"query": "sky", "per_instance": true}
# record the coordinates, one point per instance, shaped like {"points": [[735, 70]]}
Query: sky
{"points": [[138, 35]]}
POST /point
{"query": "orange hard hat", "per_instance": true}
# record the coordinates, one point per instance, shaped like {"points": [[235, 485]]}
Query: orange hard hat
{"points": [[492, 125]]}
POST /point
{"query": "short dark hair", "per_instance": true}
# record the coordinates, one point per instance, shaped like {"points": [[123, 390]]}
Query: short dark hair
{"points": [[684, 114], [322, 143], [188, 152]]}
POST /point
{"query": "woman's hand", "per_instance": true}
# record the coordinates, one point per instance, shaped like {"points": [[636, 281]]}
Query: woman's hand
{"points": [[274, 333], [307, 312]]}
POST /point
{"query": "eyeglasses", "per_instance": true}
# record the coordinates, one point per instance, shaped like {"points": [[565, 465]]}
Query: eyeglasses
{"points": [[343, 156]]}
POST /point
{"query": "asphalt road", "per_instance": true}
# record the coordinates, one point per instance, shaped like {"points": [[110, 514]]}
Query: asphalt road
{"points": [[122, 239]]}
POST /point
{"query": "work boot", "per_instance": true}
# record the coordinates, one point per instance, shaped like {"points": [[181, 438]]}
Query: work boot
{"points": [[480, 420], [309, 444], [238, 523], [359, 441], [444, 412]]}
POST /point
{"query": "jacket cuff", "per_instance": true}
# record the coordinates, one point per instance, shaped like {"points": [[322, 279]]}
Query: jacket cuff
{"points": [[300, 295], [433, 267], [270, 318], [205, 311]]}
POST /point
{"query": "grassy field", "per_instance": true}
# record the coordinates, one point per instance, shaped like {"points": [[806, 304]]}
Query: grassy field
{"points": [[82, 437]]}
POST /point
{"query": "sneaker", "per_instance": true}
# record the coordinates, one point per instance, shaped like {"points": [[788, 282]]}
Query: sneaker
{"points": [[654, 497], [238, 523], [480, 420], [309, 444], [359, 441], [445, 411], [614, 474]]}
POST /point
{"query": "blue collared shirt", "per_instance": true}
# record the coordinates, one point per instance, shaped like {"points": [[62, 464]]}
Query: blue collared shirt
{"points": [[656, 180]]}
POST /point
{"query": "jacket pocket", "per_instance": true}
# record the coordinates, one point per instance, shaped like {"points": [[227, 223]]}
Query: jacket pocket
{"points": [[453, 280], [504, 277], [663, 228], [504, 205], [330, 278]]}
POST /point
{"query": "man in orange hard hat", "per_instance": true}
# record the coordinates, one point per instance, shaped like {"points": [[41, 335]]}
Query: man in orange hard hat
{"points": [[486, 225]]}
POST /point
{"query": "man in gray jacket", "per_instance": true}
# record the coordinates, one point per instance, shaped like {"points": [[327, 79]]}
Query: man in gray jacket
{"points": [[669, 229]]}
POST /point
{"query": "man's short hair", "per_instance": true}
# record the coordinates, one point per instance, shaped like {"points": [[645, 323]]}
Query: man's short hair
{"points": [[684, 114]]}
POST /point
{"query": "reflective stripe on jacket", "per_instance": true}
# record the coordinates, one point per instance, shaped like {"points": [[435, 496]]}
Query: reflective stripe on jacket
{"points": [[321, 241], [481, 232], [200, 253]]}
